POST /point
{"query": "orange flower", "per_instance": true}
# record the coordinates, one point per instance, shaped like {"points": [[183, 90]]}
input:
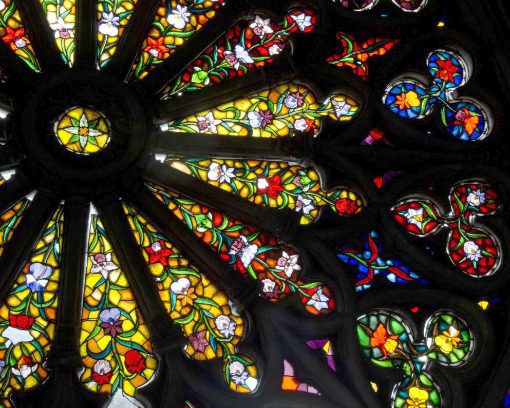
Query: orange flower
{"points": [[156, 47], [15, 38], [464, 118], [446, 70], [188, 297], [381, 340], [407, 100]]}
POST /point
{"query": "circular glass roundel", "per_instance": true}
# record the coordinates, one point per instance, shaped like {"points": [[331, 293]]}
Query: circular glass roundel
{"points": [[83, 130]]}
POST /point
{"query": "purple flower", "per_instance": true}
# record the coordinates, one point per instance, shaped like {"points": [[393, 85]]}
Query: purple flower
{"points": [[198, 341], [110, 321], [37, 276], [294, 100]]}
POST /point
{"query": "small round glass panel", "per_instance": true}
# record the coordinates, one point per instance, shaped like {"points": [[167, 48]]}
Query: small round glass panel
{"points": [[83, 130]]}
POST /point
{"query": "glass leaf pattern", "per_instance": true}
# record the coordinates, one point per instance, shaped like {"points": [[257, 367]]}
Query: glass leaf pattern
{"points": [[473, 249], [208, 319], [275, 112], [274, 184], [115, 344], [14, 35], [61, 15], [27, 316], [387, 339], [112, 19], [248, 45], [175, 22], [250, 251]]}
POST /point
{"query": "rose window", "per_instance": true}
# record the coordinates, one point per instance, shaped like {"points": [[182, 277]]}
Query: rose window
{"points": [[217, 203]]}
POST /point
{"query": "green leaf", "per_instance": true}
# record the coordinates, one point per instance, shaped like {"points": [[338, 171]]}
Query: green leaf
{"points": [[185, 320]]}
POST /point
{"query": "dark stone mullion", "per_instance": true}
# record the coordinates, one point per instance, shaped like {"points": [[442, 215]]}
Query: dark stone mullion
{"points": [[63, 389], [12, 191], [9, 155], [132, 39], [167, 337], [200, 145], [185, 54], [42, 36], [282, 222], [190, 102], [86, 34], [231, 283], [393, 157], [24, 238], [326, 380]]}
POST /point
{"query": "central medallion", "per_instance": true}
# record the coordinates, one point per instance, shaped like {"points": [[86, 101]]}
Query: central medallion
{"points": [[83, 130]]}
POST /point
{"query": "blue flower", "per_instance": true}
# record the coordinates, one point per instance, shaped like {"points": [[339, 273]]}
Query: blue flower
{"points": [[37, 276]]}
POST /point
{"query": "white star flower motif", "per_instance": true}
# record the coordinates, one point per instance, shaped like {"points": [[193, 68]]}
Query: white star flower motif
{"points": [[288, 264], [472, 251], [304, 204], [341, 108], [61, 29], [476, 198], [84, 131], [318, 300], [178, 17], [302, 20], [261, 26], [109, 24], [415, 217], [207, 123], [238, 57]]}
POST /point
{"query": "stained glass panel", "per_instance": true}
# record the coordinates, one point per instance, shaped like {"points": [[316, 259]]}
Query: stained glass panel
{"points": [[13, 33], [208, 319], [388, 341], [370, 262], [274, 112], [356, 56], [175, 22], [113, 18], [246, 46], [275, 184], [463, 118], [251, 252], [472, 248], [115, 344], [27, 316], [61, 15]]}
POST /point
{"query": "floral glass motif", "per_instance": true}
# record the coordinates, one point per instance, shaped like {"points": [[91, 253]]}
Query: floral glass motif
{"points": [[83, 130], [370, 264], [61, 15], [12, 32], [388, 341], [405, 5], [463, 118], [208, 319], [355, 55], [275, 184], [251, 252], [274, 112], [471, 247], [115, 343], [174, 23], [327, 348], [289, 382], [27, 316], [248, 45], [112, 19]]}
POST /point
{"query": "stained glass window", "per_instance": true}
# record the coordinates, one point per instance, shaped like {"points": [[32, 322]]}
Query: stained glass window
{"points": [[218, 203]]}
